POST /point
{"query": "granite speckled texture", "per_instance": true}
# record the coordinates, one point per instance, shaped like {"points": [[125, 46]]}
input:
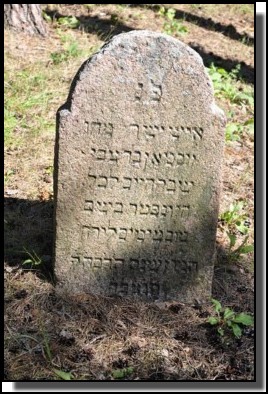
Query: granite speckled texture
{"points": [[137, 173]]}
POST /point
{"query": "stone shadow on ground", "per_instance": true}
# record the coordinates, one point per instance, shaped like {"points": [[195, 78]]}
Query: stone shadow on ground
{"points": [[103, 28], [207, 23], [106, 29], [245, 73], [104, 316], [28, 227], [231, 283]]}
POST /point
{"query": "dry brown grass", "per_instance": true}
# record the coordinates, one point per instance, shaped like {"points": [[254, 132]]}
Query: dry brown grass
{"points": [[91, 336]]}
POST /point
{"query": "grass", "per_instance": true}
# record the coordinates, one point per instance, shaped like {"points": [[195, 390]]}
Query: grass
{"points": [[11, 123], [227, 320], [243, 8], [235, 218], [35, 87], [240, 96], [226, 86], [235, 131], [223, 9], [8, 175], [172, 26], [71, 50], [33, 261], [27, 101], [34, 92]]}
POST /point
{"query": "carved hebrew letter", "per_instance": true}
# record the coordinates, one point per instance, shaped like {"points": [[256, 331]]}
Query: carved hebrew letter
{"points": [[118, 207], [127, 183], [122, 234], [138, 92], [155, 210], [156, 159], [185, 186], [95, 127], [170, 158], [95, 231], [183, 236], [161, 182], [112, 231], [136, 157], [171, 186], [155, 265], [141, 235], [107, 129], [169, 236], [93, 179], [148, 181], [102, 206], [101, 153], [96, 264], [158, 236], [112, 181], [88, 205], [197, 133], [75, 260], [144, 209], [134, 263], [114, 156], [180, 158], [135, 206], [156, 91], [134, 129], [102, 182]]}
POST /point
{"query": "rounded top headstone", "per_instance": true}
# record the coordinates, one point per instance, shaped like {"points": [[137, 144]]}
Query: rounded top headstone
{"points": [[137, 172]]}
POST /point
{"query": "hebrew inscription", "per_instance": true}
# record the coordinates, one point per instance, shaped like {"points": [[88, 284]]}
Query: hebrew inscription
{"points": [[130, 183], [133, 234], [137, 173], [142, 159], [145, 131], [141, 209]]}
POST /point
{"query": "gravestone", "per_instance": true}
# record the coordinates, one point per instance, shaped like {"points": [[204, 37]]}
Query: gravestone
{"points": [[137, 173]]}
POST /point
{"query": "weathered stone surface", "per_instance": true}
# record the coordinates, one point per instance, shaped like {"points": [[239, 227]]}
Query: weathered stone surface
{"points": [[137, 173]]}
